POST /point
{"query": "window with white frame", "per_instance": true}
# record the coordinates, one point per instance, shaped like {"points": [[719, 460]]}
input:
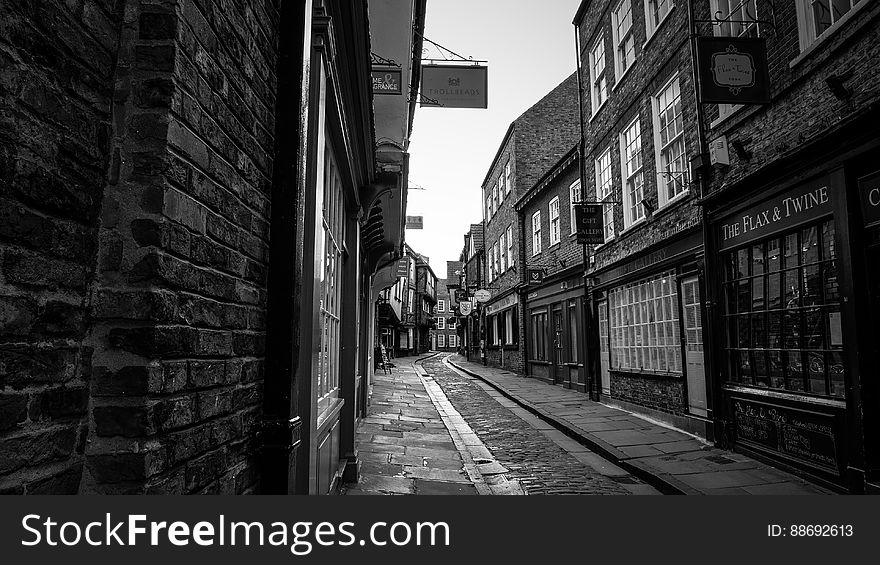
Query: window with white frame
{"points": [[536, 232], [502, 252], [644, 326], [501, 189], [554, 221], [495, 254], [509, 328], [451, 324], [672, 175], [598, 79], [489, 207], [818, 17], [491, 265], [441, 340], [632, 177], [604, 191], [655, 12], [739, 16], [441, 323], [495, 196], [507, 177], [624, 41], [510, 246], [441, 305], [574, 196]]}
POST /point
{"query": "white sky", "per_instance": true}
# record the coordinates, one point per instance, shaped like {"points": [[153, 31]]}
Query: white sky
{"points": [[529, 46]]}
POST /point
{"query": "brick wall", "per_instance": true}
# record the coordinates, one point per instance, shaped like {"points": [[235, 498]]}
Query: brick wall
{"points": [[802, 108], [665, 394], [57, 62], [567, 251], [155, 158]]}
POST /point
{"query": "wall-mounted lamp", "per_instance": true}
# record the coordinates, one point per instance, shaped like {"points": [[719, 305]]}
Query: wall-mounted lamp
{"points": [[740, 148], [562, 263], [649, 209], [837, 87]]}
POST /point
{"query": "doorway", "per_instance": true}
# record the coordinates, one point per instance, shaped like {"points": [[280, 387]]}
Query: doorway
{"points": [[693, 333], [559, 369]]}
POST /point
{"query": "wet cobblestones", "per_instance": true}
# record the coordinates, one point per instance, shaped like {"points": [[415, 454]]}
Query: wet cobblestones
{"points": [[541, 465]]}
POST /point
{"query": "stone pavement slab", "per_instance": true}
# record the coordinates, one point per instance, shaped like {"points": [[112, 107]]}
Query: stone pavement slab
{"points": [[669, 458]]}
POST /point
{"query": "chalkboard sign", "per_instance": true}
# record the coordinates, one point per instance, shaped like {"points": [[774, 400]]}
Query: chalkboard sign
{"points": [[807, 436]]}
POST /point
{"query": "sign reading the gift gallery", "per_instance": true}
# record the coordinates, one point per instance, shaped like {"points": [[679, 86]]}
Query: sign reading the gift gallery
{"points": [[869, 191], [455, 86], [733, 70], [804, 203], [588, 219], [387, 80]]}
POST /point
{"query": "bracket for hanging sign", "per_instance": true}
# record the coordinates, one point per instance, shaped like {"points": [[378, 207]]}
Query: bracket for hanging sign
{"points": [[742, 7]]}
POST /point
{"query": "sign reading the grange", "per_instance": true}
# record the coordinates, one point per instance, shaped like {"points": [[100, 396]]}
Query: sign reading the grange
{"points": [[455, 86], [804, 203], [869, 192], [733, 70], [588, 219], [387, 80]]}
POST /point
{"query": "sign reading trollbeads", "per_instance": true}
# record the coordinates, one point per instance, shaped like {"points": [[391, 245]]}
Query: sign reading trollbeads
{"points": [[454, 86], [733, 70]]}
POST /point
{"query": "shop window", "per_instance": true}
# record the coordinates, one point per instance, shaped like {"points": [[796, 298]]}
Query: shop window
{"points": [[782, 313], [672, 165], [572, 332], [539, 336], [511, 331], [644, 325], [333, 234]]}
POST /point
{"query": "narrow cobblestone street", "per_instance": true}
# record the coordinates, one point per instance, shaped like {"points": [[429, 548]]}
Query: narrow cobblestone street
{"points": [[447, 433]]}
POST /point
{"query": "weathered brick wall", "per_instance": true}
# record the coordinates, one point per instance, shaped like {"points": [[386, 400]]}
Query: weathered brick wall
{"points": [[665, 394], [567, 252], [802, 108], [56, 85], [180, 297]]}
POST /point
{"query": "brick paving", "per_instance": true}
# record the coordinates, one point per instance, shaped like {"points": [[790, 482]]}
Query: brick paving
{"points": [[541, 458], [674, 460]]}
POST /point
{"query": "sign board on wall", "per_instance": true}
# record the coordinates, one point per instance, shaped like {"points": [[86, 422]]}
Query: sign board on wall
{"points": [[387, 80], [482, 295], [402, 269], [465, 307], [733, 70], [588, 219], [455, 86], [415, 222], [806, 202], [536, 276]]}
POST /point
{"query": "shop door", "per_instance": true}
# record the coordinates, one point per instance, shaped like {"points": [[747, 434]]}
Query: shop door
{"points": [[693, 331], [559, 368], [604, 350]]}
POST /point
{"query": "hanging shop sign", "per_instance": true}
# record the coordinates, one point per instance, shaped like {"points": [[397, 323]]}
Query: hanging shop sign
{"points": [[733, 70], [387, 80], [869, 192], [415, 222], [402, 269], [455, 86], [465, 307], [482, 295], [804, 203], [461, 295], [588, 219], [536, 276]]}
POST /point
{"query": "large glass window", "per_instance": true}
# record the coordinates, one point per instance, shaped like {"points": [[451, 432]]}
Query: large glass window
{"points": [[554, 221], [644, 325], [782, 313], [816, 17], [510, 329], [669, 133], [604, 191], [333, 229], [539, 335], [573, 342], [632, 176]]}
